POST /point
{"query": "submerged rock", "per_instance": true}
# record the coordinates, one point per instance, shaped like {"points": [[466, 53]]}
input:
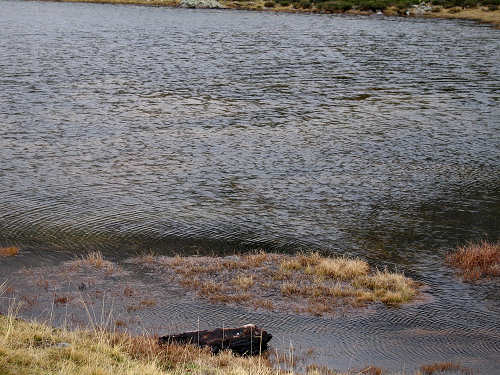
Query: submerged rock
{"points": [[204, 4]]}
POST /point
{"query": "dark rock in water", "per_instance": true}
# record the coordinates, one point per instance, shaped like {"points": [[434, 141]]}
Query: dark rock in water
{"points": [[246, 340]]}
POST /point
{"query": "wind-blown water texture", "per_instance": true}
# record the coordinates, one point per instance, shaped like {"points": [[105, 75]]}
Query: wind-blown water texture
{"points": [[241, 128], [124, 128]]}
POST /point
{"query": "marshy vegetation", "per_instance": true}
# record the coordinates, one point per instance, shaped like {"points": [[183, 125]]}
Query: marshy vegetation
{"points": [[8, 251], [305, 283], [37, 348], [476, 260], [32, 347]]}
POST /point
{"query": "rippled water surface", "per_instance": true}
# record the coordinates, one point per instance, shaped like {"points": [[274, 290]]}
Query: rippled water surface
{"points": [[125, 128]]}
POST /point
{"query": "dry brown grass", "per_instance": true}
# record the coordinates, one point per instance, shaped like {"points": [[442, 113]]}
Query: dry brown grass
{"points": [[477, 14], [390, 288], [371, 370], [476, 261], [210, 287], [38, 349], [230, 298], [443, 367], [255, 260], [62, 299], [120, 324], [342, 268], [244, 282], [9, 251], [148, 257], [290, 289], [128, 291], [95, 260], [265, 304], [306, 282], [148, 302]]}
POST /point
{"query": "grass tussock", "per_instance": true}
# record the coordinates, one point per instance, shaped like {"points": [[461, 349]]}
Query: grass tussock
{"points": [[94, 260], [390, 288], [244, 282], [477, 261], [305, 283], [442, 368], [8, 251], [342, 268]]}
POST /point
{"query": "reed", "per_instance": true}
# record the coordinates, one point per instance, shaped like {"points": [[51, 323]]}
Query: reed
{"points": [[9, 251], [476, 260]]}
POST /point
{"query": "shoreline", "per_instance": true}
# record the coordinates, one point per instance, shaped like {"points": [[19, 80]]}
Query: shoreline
{"points": [[37, 347], [478, 14], [141, 294]]}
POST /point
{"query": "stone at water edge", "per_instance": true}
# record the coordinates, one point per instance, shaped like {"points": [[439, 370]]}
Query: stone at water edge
{"points": [[201, 4], [246, 340]]}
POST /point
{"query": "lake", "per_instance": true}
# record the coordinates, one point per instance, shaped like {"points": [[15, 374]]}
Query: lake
{"points": [[127, 128]]}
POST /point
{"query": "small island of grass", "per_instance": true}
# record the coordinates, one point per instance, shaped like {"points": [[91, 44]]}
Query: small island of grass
{"points": [[303, 283], [476, 260]]}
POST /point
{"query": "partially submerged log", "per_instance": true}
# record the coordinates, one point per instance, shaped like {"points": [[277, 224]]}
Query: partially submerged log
{"points": [[246, 340]]}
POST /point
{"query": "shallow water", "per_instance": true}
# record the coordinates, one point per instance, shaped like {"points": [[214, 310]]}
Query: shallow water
{"points": [[127, 128]]}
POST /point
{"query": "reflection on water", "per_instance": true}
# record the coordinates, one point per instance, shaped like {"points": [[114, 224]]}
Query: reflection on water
{"points": [[125, 128]]}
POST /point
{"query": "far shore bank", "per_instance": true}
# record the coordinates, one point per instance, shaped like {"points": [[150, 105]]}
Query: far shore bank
{"points": [[482, 14]]}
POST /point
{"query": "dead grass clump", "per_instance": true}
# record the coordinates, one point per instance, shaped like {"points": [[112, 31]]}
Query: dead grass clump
{"points": [[476, 261], [290, 289], [371, 370], [42, 283], [319, 308], [190, 283], [292, 264], [148, 302], [443, 367], [209, 287], [9, 251], [309, 259], [319, 370], [30, 300], [342, 268], [255, 260], [128, 291], [94, 260], [62, 299], [177, 261], [389, 288], [300, 261], [281, 275], [244, 282], [149, 257], [264, 304]]}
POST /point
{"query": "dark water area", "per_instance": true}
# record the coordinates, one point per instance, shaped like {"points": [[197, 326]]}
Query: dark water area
{"points": [[128, 128]]}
